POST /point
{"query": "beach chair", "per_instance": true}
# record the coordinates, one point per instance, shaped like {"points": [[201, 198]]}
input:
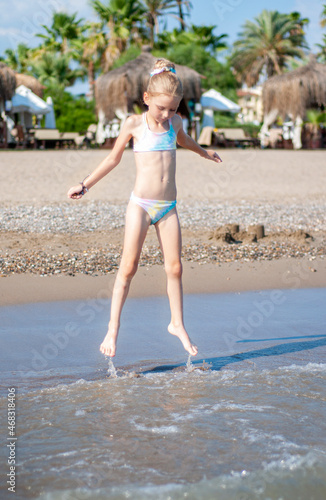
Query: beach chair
{"points": [[45, 137], [236, 137], [70, 139]]}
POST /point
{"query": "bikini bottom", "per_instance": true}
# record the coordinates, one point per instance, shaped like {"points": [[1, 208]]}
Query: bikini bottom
{"points": [[156, 209]]}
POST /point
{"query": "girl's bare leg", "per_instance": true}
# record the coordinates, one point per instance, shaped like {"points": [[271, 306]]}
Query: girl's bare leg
{"points": [[137, 223], [169, 235]]}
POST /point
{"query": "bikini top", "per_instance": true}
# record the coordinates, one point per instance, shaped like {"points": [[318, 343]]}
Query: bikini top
{"points": [[153, 141]]}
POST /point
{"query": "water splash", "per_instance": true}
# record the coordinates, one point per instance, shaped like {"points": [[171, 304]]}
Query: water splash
{"points": [[189, 365], [111, 370]]}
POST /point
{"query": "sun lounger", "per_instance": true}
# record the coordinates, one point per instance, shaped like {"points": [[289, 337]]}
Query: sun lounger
{"points": [[42, 134], [235, 137], [52, 137]]}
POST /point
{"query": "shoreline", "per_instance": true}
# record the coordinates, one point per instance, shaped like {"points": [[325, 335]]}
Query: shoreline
{"points": [[233, 277]]}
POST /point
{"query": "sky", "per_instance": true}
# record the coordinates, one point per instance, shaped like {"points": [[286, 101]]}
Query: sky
{"points": [[20, 20]]}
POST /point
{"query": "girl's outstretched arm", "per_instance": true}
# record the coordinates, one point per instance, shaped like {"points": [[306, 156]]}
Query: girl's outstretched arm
{"points": [[185, 141], [108, 164]]}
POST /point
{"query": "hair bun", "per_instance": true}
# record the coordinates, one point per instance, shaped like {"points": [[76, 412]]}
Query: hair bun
{"points": [[157, 71], [165, 80]]}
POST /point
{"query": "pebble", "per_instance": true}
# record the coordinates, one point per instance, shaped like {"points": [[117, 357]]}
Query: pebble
{"points": [[82, 218], [106, 260], [99, 215]]}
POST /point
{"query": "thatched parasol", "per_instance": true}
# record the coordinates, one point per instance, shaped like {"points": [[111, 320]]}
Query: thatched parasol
{"points": [[7, 82], [294, 92], [31, 83], [124, 87]]}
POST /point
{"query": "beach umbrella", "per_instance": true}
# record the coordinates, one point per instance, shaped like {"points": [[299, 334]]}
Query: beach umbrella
{"points": [[214, 100], [292, 93], [50, 117], [31, 83], [211, 101], [122, 88], [7, 82], [25, 100]]}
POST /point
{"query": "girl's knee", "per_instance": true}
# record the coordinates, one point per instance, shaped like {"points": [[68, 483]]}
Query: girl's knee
{"points": [[174, 270], [128, 269]]}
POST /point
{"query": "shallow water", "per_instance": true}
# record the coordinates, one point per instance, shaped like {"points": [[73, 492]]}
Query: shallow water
{"points": [[246, 420]]}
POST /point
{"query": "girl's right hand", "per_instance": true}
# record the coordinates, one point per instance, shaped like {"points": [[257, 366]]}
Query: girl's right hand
{"points": [[75, 192]]}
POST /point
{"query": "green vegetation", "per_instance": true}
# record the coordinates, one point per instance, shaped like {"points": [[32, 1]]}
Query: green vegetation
{"points": [[316, 118], [73, 114], [18, 59], [217, 75], [71, 49], [227, 120]]}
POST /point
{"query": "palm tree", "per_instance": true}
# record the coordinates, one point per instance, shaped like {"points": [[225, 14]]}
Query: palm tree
{"points": [[323, 17], [89, 50], [156, 9], [180, 4], [203, 35], [18, 60], [54, 71], [65, 27], [123, 18], [322, 46], [197, 35], [266, 45]]}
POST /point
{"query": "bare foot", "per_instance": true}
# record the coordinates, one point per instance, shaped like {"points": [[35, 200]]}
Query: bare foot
{"points": [[109, 343], [180, 332]]}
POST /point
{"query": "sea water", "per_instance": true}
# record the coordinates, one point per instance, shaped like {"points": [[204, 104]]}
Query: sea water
{"points": [[245, 419]]}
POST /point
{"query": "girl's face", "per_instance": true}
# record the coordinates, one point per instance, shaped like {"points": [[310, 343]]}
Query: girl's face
{"points": [[161, 107]]}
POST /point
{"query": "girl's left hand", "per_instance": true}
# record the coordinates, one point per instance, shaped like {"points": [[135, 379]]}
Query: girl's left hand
{"points": [[76, 192], [212, 155]]}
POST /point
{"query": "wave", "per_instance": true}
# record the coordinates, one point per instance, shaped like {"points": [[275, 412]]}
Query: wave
{"points": [[295, 478]]}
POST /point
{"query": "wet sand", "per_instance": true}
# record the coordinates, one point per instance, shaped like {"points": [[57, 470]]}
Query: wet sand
{"points": [[148, 282]]}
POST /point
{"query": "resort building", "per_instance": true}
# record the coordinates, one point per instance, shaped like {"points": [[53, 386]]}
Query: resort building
{"points": [[251, 104]]}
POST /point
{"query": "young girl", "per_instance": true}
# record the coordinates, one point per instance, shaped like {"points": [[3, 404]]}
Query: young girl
{"points": [[153, 200]]}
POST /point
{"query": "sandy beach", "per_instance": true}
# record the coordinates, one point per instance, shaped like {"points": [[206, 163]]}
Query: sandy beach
{"points": [[244, 418], [53, 248]]}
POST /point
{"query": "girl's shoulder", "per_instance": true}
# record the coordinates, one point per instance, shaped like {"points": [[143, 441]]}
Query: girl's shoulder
{"points": [[134, 120], [177, 123], [133, 123]]}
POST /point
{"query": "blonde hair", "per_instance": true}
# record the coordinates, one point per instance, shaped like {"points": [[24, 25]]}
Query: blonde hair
{"points": [[163, 80]]}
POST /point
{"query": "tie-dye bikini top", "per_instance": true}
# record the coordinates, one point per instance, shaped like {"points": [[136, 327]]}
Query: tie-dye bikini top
{"points": [[153, 141]]}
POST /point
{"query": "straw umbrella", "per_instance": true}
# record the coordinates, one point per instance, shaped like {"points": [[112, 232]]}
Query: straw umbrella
{"points": [[291, 94], [7, 90], [7, 83], [117, 91], [31, 83]]}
